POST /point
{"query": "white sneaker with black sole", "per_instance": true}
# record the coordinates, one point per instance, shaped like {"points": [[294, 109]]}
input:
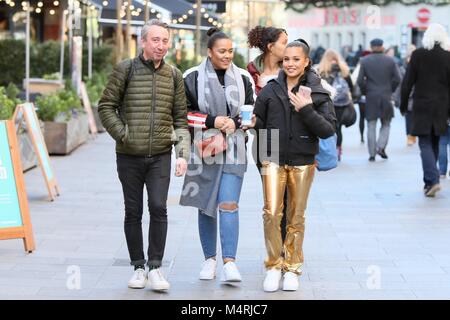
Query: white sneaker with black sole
{"points": [[157, 280], [138, 280], [208, 271], [230, 273]]}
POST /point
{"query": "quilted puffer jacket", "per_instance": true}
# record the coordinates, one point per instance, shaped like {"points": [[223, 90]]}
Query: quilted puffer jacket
{"points": [[150, 115]]}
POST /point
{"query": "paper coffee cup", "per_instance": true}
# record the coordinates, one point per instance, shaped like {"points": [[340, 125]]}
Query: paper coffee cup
{"points": [[246, 114]]}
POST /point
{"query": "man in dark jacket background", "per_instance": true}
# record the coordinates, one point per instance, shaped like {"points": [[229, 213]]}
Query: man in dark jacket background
{"points": [[378, 78], [428, 73], [143, 107]]}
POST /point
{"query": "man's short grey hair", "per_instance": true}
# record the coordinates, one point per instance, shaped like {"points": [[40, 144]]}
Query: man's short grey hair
{"points": [[152, 22]]}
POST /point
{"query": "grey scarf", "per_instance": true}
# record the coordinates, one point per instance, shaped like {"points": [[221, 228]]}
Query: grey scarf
{"points": [[212, 98]]}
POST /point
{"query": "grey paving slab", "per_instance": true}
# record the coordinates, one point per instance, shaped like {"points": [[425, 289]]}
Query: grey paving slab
{"points": [[360, 216]]}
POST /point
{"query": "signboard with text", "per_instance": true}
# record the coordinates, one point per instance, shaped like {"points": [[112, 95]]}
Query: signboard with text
{"points": [[15, 220], [27, 111]]}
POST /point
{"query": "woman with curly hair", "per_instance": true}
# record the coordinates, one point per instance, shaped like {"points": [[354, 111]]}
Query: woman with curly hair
{"points": [[271, 42]]}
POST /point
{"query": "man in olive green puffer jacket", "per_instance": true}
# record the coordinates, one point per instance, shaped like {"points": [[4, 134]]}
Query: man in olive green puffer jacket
{"points": [[143, 108]]}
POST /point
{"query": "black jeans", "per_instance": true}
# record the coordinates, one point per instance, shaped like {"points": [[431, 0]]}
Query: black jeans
{"points": [[153, 172], [362, 115], [408, 120], [339, 113], [429, 152]]}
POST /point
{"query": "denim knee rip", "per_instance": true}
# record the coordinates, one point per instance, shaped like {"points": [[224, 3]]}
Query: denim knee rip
{"points": [[228, 207]]}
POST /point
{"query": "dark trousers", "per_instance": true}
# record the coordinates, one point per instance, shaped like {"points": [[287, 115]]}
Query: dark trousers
{"points": [[362, 116], [429, 152], [153, 172], [339, 113], [408, 120]]}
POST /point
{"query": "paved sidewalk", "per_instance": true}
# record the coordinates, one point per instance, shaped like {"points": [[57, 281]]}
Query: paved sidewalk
{"points": [[370, 233]]}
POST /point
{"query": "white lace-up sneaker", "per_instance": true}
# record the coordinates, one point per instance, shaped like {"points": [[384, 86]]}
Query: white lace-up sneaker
{"points": [[272, 280], [138, 280], [157, 280], [290, 282], [230, 272], [208, 271]]}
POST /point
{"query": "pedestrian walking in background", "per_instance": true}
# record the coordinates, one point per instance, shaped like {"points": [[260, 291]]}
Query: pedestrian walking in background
{"points": [[271, 42], [378, 78], [336, 72], [358, 97], [444, 144], [297, 107], [216, 90], [410, 139], [428, 72], [143, 102]]}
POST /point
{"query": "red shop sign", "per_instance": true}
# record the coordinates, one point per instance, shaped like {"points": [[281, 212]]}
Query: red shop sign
{"points": [[423, 15]]}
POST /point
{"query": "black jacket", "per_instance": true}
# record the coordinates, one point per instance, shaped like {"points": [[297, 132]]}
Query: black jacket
{"points": [[191, 84], [298, 141], [429, 73]]}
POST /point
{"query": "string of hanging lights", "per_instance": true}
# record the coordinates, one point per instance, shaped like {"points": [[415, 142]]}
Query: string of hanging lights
{"points": [[136, 12], [191, 12]]}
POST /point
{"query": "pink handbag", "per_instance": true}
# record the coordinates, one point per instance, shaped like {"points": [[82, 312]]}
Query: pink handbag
{"points": [[211, 146]]}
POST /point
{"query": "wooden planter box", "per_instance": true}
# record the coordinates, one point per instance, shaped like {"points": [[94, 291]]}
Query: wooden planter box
{"points": [[64, 137], [98, 123], [27, 156], [44, 87]]}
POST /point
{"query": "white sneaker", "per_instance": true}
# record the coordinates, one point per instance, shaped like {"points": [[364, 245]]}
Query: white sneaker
{"points": [[230, 272], [138, 280], [290, 282], [272, 280], [157, 281], [208, 271]]}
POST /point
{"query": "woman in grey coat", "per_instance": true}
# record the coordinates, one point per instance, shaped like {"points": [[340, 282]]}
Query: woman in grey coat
{"points": [[215, 91]]}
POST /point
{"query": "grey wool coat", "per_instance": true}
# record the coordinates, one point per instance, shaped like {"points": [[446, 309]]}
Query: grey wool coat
{"points": [[378, 78]]}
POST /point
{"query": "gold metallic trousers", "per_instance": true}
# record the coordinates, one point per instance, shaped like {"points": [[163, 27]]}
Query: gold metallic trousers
{"points": [[297, 180]]}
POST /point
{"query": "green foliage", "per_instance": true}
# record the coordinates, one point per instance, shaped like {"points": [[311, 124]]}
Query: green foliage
{"points": [[239, 60], [12, 92], [7, 105], [58, 105], [12, 61], [51, 76], [102, 59], [8, 101], [45, 60], [95, 86]]}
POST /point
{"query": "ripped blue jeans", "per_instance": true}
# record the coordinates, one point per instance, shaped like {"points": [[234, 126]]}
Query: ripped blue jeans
{"points": [[228, 200]]}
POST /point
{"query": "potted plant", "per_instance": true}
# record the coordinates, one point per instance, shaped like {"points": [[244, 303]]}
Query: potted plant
{"points": [[65, 122], [94, 87], [8, 103]]}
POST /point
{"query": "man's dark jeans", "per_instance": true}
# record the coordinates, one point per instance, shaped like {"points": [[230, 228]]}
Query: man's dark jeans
{"points": [[153, 172], [429, 152]]}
